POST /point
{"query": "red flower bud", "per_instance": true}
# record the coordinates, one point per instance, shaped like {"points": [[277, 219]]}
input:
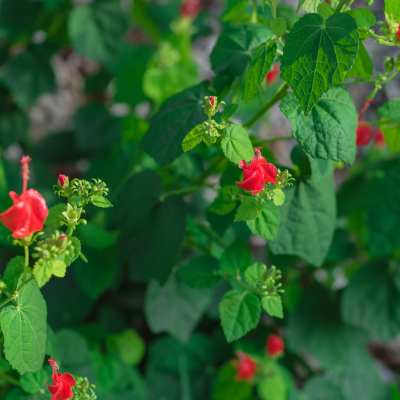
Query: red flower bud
{"points": [[62, 237], [27, 215], [212, 100], [257, 173], [273, 75], [398, 32], [379, 139], [364, 134], [62, 179], [190, 8], [275, 346], [246, 367]]}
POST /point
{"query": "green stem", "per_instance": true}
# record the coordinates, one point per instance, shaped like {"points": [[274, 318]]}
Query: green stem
{"points": [[261, 97], [237, 88], [185, 190], [254, 17], [278, 96], [81, 255], [370, 123], [281, 43], [279, 52], [69, 231], [340, 6], [275, 139], [239, 281], [10, 379], [213, 235], [26, 250], [381, 39], [22, 285]]}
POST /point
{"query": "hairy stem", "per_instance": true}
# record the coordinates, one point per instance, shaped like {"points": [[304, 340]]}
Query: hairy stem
{"points": [[340, 6], [275, 139], [26, 250], [10, 379], [254, 17], [81, 255], [380, 39], [185, 190]]}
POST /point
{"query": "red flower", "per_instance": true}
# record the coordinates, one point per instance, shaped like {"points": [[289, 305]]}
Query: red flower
{"points": [[398, 32], [212, 100], [275, 346], [246, 367], [62, 179], [62, 237], [379, 139], [273, 75], [61, 388], [190, 8], [257, 173], [364, 134]]}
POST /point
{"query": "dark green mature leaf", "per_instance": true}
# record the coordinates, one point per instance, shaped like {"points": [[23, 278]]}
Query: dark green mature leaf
{"points": [[28, 75], [96, 30], [392, 7], [363, 66], [175, 308], [329, 131], [14, 126], [391, 109], [240, 313], [317, 55], [95, 236], [233, 9], [24, 329], [231, 53], [372, 300], [201, 272], [54, 214], [226, 200], [250, 208], [236, 257], [34, 382], [311, 6], [14, 269], [176, 117], [95, 128], [307, 221], [267, 223], [259, 67], [228, 388], [236, 144], [19, 394]]}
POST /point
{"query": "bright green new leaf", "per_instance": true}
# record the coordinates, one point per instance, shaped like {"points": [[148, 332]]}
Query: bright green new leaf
{"points": [[54, 214], [279, 197], [233, 9], [363, 66], [175, 308], [236, 257], [329, 131], [193, 138], [278, 26], [14, 269], [201, 272], [254, 274], [226, 200], [392, 7], [273, 306], [177, 116], [34, 382], [231, 52], [273, 385], [229, 112], [390, 110], [236, 144], [239, 313], [73, 251], [43, 270], [129, 346], [364, 18], [24, 329], [96, 30], [102, 202], [250, 208], [317, 55], [307, 221], [228, 388], [267, 223], [259, 67], [391, 133], [311, 6]]}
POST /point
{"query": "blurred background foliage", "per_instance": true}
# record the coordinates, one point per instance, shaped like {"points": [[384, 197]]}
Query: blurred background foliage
{"points": [[79, 81]]}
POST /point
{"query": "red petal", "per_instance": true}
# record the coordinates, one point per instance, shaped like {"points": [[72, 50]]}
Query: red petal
{"points": [[269, 172], [253, 183], [14, 217], [243, 164], [64, 392], [69, 379], [14, 197], [364, 134], [53, 388]]}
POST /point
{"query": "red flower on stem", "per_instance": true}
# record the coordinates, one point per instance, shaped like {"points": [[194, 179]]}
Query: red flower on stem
{"points": [[257, 173], [275, 346], [212, 100], [246, 367], [273, 75], [62, 179], [62, 384], [29, 211], [190, 8], [364, 134]]}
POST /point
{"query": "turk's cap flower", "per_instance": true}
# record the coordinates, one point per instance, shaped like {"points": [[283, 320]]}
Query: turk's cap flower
{"points": [[190, 8], [246, 367], [364, 134], [273, 75], [61, 387], [275, 346], [63, 181]]}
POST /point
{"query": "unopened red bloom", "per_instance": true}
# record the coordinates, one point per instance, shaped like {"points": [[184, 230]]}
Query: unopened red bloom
{"points": [[364, 134], [190, 8], [257, 173], [273, 75], [62, 179], [62, 384], [398, 32], [63, 237], [212, 100], [246, 367], [379, 139], [275, 345]]}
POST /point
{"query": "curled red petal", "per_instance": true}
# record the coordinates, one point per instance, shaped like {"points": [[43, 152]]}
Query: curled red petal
{"points": [[53, 388], [269, 172], [254, 183], [14, 217], [69, 379], [243, 164], [247, 173]]}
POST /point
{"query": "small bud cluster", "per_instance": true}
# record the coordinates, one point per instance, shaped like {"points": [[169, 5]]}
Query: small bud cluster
{"points": [[211, 105], [83, 390], [269, 286], [283, 179], [391, 28], [72, 216], [51, 248]]}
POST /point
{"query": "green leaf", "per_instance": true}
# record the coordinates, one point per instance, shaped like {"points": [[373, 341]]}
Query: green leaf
{"points": [[391, 109], [175, 308], [54, 214], [96, 237], [254, 274], [228, 388], [250, 208], [43, 270], [73, 251], [177, 116], [272, 386], [14, 269], [272, 305], [328, 51], [233, 9], [325, 11], [363, 66], [226, 200], [279, 197], [34, 383], [311, 6], [392, 7], [106, 370], [371, 301], [231, 52], [28, 75], [307, 221], [14, 126], [24, 329], [96, 30], [19, 394], [129, 346], [193, 138], [201, 272], [278, 26], [329, 131], [240, 313], [236, 144], [391, 134], [102, 202], [236, 257], [364, 18], [229, 112], [267, 223], [259, 67]]}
